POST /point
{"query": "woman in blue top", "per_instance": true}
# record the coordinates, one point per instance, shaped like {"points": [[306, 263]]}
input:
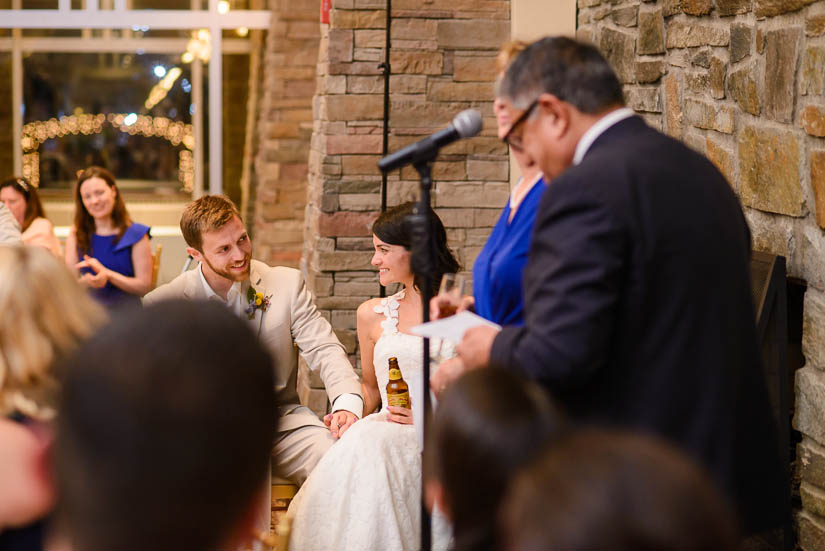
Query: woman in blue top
{"points": [[498, 268], [110, 253], [497, 271]]}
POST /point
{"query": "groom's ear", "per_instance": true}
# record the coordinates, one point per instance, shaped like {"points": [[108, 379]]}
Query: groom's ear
{"points": [[194, 253]]}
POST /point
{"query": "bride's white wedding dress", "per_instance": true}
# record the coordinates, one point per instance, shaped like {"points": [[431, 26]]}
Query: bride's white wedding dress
{"points": [[365, 493]]}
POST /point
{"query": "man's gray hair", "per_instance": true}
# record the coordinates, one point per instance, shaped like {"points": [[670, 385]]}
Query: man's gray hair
{"points": [[572, 71]]}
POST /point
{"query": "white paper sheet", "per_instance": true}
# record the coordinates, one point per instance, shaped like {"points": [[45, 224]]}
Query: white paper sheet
{"points": [[452, 328]]}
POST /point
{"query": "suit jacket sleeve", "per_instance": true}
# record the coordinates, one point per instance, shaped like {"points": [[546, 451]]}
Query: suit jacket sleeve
{"points": [[174, 289], [571, 287], [9, 229], [320, 347]]}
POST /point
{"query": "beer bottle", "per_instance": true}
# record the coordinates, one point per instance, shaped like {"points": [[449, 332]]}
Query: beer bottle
{"points": [[398, 393]]}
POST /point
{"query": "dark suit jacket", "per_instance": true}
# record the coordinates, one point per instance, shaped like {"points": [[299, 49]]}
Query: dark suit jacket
{"points": [[638, 309]]}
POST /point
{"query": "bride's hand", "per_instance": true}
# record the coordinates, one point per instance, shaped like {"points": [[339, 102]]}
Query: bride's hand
{"points": [[400, 415]]}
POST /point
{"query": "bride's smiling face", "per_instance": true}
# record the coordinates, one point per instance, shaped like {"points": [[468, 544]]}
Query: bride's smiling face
{"points": [[392, 261]]}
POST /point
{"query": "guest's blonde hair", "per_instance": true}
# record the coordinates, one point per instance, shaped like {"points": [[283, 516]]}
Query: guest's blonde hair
{"points": [[44, 314], [508, 52]]}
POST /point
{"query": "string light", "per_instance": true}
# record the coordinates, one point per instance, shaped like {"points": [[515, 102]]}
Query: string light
{"points": [[31, 168], [223, 7], [199, 46], [162, 88], [175, 132], [186, 170]]}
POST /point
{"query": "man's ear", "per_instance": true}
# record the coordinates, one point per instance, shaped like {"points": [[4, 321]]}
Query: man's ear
{"points": [[557, 114], [194, 253]]}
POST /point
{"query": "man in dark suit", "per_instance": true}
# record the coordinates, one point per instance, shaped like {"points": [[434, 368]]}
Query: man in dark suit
{"points": [[637, 291]]}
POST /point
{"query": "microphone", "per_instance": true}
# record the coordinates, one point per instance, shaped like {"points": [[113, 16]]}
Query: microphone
{"points": [[465, 125]]}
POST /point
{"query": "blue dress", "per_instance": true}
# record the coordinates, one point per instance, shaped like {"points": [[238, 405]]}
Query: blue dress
{"points": [[116, 257], [497, 271]]}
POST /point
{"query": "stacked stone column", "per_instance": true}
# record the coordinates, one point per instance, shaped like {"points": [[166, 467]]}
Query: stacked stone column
{"points": [[284, 130]]}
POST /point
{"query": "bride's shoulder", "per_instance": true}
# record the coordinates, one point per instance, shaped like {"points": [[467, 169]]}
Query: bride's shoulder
{"points": [[368, 311]]}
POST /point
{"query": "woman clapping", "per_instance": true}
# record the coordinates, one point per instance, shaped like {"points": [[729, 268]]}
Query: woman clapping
{"points": [[111, 253]]}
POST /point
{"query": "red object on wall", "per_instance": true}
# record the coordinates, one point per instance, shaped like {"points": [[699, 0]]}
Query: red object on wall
{"points": [[325, 6]]}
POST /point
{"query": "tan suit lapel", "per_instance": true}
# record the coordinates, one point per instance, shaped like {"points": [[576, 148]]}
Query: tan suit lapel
{"points": [[256, 282]]}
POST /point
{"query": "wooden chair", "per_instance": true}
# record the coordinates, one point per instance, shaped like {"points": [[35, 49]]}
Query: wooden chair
{"points": [[156, 264]]}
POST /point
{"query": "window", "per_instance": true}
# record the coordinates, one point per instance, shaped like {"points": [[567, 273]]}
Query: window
{"points": [[142, 87]]}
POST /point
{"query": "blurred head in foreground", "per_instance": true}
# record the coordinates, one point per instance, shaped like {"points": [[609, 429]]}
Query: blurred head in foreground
{"points": [[165, 431], [626, 492], [44, 315], [488, 425]]}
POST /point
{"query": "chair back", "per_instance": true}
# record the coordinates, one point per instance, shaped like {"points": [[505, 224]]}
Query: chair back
{"points": [[156, 264]]}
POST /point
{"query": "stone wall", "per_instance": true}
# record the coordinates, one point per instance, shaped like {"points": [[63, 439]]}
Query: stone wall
{"points": [[284, 130], [442, 61], [743, 81]]}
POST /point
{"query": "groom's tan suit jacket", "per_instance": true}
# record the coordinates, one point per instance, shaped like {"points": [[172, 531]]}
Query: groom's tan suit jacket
{"points": [[290, 324]]}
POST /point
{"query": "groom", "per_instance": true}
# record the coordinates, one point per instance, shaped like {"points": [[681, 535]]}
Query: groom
{"points": [[280, 311]]}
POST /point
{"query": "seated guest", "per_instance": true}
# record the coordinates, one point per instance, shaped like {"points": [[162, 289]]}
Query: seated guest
{"points": [[23, 201], [28, 493], [44, 315], [165, 431], [381, 454], [487, 426], [111, 252], [620, 491], [274, 301]]}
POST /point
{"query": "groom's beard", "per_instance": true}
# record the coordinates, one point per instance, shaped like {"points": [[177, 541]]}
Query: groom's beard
{"points": [[231, 275]]}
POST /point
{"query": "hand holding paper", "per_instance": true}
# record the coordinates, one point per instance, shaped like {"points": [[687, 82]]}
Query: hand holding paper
{"points": [[453, 327]]}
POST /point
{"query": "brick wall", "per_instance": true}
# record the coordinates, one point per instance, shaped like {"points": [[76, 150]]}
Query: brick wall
{"points": [[743, 81], [442, 61], [284, 130]]}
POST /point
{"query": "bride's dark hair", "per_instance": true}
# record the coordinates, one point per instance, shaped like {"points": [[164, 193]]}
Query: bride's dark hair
{"points": [[393, 227]]}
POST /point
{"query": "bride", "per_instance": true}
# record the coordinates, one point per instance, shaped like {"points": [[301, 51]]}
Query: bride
{"points": [[365, 493]]}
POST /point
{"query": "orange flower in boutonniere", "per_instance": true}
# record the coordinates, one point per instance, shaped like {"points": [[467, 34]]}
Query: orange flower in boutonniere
{"points": [[257, 301]]}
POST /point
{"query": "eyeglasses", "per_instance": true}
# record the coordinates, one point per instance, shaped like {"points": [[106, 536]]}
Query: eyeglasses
{"points": [[515, 141]]}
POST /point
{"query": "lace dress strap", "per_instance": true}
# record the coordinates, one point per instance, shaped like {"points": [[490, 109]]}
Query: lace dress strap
{"points": [[389, 307]]}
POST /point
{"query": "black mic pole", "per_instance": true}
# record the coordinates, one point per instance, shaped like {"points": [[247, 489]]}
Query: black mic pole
{"points": [[423, 264], [422, 154]]}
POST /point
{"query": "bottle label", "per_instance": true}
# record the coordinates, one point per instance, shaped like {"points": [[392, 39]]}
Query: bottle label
{"points": [[395, 374], [400, 400]]}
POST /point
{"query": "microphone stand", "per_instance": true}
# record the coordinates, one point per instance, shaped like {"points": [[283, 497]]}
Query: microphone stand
{"points": [[422, 262]]}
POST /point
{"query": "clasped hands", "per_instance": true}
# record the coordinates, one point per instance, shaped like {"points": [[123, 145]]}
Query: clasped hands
{"points": [[340, 421], [473, 350], [99, 278]]}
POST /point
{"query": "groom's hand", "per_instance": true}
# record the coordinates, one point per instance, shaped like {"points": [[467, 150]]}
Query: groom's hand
{"points": [[339, 422]]}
